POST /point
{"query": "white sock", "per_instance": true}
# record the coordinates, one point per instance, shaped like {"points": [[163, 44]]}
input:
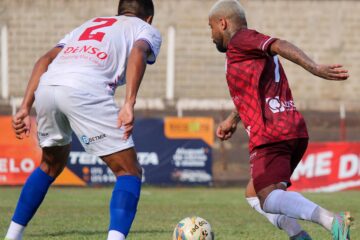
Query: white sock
{"points": [[323, 217], [15, 231], [289, 225], [291, 204], [115, 235]]}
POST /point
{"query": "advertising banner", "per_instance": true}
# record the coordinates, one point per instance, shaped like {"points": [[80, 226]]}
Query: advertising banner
{"points": [[171, 151], [18, 159], [328, 167]]}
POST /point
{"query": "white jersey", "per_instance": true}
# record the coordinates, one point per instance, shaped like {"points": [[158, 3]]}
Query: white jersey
{"points": [[94, 55]]}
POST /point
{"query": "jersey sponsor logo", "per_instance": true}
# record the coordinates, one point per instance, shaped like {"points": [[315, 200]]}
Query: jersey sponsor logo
{"points": [[88, 140], [278, 106], [86, 49]]}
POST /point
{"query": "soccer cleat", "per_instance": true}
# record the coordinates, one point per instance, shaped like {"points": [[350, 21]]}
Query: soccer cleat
{"points": [[301, 236], [341, 226]]}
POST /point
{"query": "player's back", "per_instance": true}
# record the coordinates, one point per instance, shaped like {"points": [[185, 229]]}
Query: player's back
{"points": [[94, 55]]}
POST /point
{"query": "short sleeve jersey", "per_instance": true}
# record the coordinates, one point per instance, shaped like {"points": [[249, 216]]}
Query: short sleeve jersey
{"points": [[94, 55], [260, 90]]}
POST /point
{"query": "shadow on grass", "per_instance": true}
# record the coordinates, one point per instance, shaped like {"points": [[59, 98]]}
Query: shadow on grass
{"points": [[91, 233], [65, 233]]}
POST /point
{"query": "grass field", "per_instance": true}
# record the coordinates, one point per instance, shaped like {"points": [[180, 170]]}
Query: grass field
{"points": [[82, 213]]}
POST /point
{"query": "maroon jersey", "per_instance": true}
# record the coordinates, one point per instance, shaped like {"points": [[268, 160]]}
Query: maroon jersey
{"points": [[260, 90]]}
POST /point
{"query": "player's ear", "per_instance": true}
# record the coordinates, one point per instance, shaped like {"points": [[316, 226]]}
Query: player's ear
{"points": [[223, 24], [149, 19]]}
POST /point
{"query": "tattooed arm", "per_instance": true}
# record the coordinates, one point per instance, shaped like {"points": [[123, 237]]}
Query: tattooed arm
{"points": [[291, 52]]}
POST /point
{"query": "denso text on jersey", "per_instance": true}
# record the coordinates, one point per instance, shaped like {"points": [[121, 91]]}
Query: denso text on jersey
{"points": [[86, 49]]}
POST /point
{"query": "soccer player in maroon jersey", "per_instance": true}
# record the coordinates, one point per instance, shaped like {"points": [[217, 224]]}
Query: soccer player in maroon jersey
{"points": [[277, 132]]}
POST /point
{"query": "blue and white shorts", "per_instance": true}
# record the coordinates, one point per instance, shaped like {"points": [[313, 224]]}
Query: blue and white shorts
{"points": [[61, 110]]}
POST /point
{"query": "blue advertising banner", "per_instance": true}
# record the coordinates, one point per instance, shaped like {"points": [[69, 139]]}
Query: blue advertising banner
{"points": [[174, 151]]}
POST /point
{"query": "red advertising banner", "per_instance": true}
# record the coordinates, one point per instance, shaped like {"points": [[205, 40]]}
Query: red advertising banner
{"points": [[18, 158], [328, 167]]}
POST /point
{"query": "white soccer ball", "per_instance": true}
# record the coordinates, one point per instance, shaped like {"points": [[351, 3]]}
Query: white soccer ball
{"points": [[193, 228]]}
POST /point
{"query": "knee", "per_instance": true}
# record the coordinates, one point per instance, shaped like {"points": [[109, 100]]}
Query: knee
{"points": [[54, 159], [136, 171], [133, 170], [51, 168], [265, 192], [124, 163], [262, 198], [250, 190]]}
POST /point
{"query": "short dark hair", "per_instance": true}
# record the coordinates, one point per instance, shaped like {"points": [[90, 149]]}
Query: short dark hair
{"points": [[140, 8]]}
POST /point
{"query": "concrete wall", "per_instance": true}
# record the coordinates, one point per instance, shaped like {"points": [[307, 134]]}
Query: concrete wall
{"points": [[329, 31]]}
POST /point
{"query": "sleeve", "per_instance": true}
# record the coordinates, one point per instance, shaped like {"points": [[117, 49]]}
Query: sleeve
{"points": [[65, 40], [256, 43], [153, 37], [265, 42]]}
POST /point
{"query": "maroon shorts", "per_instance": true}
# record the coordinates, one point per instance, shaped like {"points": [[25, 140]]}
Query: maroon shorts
{"points": [[274, 163]]}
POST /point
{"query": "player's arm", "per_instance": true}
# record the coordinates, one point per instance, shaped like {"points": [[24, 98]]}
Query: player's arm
{"points": [[21, 121], [234, 117], [134, 73], [296, 55], [39, 69], [227, 127]]}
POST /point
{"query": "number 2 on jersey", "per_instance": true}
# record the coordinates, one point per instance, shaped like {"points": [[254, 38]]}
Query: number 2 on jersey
{"points": [[98, 36]]}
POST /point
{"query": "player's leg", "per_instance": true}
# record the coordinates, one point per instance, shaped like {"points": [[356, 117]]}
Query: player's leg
{"points": [[278, 201], [272, 192], [33, 192], [126, 193], [93, 117], [54, 135], [289, 225]]}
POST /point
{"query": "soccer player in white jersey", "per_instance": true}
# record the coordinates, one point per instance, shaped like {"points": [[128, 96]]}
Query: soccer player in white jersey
{"points": [[73, 86]]}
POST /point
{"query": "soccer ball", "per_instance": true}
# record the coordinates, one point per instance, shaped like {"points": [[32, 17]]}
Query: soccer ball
{"points": [[193, 228]]}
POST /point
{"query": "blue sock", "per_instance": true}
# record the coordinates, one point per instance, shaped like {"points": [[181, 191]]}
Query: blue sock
{"points": [[124, 202], [31, 196]]}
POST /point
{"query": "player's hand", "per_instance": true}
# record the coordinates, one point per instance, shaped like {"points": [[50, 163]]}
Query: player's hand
{"points": [[126, 119], [226, 129], [21, 124], [334, 72]]}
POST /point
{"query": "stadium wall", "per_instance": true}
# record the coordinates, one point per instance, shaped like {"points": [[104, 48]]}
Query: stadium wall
{"points": [[327, 30]]}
